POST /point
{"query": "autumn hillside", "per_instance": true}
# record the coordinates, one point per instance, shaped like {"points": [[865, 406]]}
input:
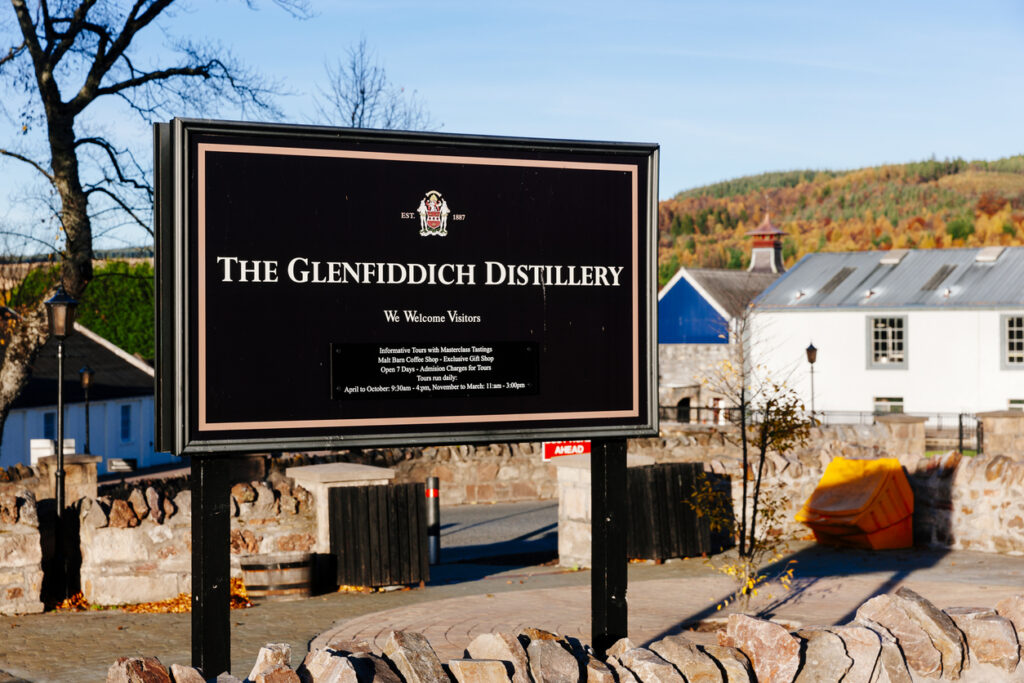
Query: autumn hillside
{"points": [[951, 203]]}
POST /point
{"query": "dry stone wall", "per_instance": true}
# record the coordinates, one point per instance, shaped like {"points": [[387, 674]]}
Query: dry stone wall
{"points": [[139, 550], [21, 555], [896, 638]]}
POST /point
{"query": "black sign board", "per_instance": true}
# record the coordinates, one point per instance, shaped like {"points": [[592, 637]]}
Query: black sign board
{"points": [[324, 287]]}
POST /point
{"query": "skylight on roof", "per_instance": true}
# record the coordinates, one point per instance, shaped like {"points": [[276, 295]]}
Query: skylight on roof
{"points": [[988, 254]]}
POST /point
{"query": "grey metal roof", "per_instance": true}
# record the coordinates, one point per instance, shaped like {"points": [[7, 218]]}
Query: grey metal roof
{"points": [[732, 289], [916, 278]]}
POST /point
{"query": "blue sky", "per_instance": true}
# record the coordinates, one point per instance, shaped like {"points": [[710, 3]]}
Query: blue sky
{"points": [[726, 88]]}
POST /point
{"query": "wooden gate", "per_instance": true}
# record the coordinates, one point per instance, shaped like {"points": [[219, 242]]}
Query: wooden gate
{"points": [[661, 524], [379, 534]]}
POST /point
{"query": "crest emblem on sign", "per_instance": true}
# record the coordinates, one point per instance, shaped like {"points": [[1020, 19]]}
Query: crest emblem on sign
{"points": [[433, 211]]}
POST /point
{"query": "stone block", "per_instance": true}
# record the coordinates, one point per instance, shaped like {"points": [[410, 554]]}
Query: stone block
{"points": [[327, 666], [882, 612], [479, 670], [155, 504], [620, 646], [271, 655], [552, 663], [622, 674], [992, 639], [278, 673], [688, 658], [137, 501], [773, 652], [1013, 609], [504, 647], [266, 502], [373, 669], [20, 548], [734, 663], [864, 647], [138, 670], [944, 634], [127, 590], [648, 666], [122, 515], [186, 674], [596, 671], [413, 657], [825, 658]]}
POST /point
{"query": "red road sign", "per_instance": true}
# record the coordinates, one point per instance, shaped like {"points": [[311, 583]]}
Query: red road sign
{"points": [[554, 449]]}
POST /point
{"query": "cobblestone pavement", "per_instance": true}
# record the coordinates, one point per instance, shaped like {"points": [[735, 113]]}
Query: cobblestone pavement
{"points": [[464, 600]]}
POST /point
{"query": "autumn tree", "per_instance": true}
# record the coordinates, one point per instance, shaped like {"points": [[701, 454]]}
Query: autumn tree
{"points": [[67, 67]]}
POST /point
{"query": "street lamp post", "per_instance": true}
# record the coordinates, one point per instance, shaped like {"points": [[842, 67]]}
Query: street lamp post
{"points": [[60, 310], [86, 376], [812, 355]]}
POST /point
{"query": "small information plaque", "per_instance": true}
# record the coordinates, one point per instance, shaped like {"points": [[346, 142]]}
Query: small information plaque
{"points": [[366, 371]]}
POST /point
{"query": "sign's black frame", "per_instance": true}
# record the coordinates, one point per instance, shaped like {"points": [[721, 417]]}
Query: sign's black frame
{"points": [[176, 287]]}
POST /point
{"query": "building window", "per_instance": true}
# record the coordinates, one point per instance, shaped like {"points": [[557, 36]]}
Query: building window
{"points": [[888, 404], [1017, 404], [1013, 342], [887, 342], [50, 425], [126, 424]]}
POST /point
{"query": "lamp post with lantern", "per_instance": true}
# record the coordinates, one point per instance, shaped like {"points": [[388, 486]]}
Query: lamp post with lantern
{"points": [[85, 374], [812, 356], [60, 311]]}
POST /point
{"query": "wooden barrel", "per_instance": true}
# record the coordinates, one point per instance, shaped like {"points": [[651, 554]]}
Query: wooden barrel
{"points": [[277, 576]]}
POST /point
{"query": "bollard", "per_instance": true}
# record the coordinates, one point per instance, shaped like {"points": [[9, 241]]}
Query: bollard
{"points": [[433, 521]]}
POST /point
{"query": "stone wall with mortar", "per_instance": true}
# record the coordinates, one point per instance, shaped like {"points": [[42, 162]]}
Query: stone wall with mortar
{"points": [[973, 503], [139, 550], [21, 555]]}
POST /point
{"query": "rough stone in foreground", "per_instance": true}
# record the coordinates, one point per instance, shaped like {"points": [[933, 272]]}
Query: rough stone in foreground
{"points": [[122, 516], [373, 669], [137, 670], [891, 666], [94, 514], [243, 493], [688, 658], [155, 503], [597, 671], [825, 657], [863, 646], [620, 646], [552, 663], [226, 678], [946, 637], [991, 638], [265, 503], [186, 674], [735, 664], [921, 655], [479, 670], [773, 652], [1013, 609], [326, 666], [528, 635], [622, 674], [350, 647], [413, 657], [8, 507], [278, 673], [647, 666], [504, 647], [271, 655], [137, 499]]}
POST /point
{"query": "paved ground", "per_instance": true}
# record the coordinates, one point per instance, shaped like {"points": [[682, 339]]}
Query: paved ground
{"points": [[467, 598]]}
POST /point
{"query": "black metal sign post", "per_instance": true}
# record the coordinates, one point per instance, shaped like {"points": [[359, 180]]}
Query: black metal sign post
{"points": [[211, 580], [608, 610]]}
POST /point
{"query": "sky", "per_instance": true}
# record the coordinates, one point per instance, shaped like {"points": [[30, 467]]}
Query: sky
{"points": [[725, 88]]}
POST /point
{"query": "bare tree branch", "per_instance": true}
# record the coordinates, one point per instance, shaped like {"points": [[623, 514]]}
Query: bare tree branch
{"points": [[13, 53], [34, 164], [124, 207], [359, 95]]}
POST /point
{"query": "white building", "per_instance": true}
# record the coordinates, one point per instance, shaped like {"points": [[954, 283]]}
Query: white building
{"points": [[917, 331], [121, 409]]}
